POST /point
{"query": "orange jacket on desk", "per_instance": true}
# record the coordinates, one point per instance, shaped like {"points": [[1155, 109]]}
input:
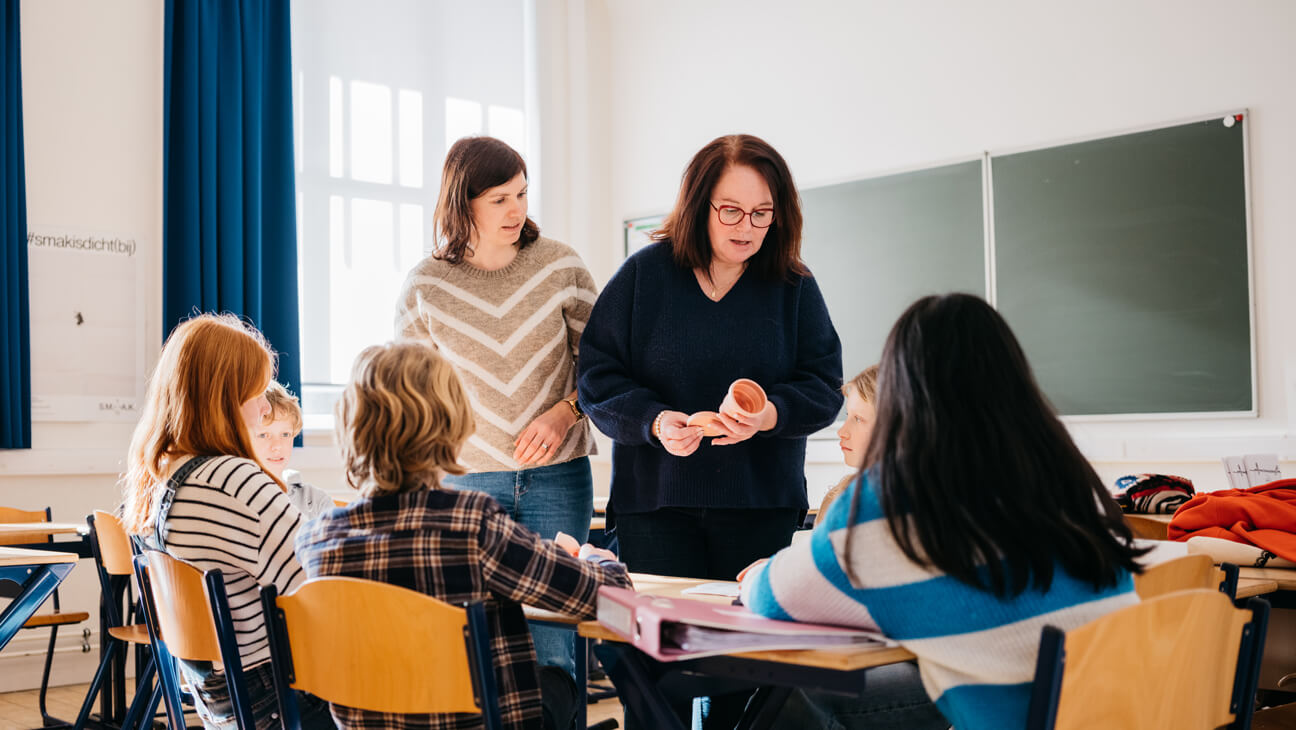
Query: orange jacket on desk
{"points": [[1263, 516]]}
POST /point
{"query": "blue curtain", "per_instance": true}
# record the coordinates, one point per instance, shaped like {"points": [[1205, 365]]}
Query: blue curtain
{"points": [[229, 205], [15, 333]]}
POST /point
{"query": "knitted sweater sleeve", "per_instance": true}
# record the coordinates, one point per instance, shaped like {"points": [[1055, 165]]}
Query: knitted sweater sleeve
{"points": [[616, 403], [577, 308], [811, 398], [807, 581], [409, 323]]}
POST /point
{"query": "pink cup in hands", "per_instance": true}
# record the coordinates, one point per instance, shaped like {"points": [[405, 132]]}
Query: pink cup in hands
{"points": [[745, 397]]}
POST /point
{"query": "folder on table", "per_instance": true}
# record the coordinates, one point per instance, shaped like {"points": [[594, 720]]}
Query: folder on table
{"points": [[673, 629]]}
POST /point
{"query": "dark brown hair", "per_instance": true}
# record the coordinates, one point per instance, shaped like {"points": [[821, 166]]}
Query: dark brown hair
{"points": [[685, 229], [975, 474], [472, 166]]}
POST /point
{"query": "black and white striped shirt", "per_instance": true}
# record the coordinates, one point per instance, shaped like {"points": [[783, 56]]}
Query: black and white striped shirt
{"points": [[229, 515]]}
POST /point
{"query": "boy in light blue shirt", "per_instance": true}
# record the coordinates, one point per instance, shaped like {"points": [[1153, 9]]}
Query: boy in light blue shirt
{"points": [[273, 443]]}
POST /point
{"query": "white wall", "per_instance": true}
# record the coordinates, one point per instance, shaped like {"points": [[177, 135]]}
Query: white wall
{"points": [[92, 118], [852, 89]]}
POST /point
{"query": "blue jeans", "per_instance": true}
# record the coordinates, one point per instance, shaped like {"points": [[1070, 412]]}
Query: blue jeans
{"points": [[212, 699], [546, 499]]}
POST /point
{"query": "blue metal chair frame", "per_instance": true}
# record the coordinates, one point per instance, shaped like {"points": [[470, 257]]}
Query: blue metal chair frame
{"points": [[168, 672], [481, 663], [113, 590]]}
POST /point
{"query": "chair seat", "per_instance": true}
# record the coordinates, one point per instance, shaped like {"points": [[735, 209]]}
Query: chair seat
{"points": [[57, 618], [134, 634], [1282, 717]]}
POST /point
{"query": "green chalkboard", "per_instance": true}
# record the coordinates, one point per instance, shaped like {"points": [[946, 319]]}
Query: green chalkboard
{"points": [[1121, 264], [876, 245]]}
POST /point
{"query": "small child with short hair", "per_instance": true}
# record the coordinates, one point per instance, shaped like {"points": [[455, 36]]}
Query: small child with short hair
{"points": [[402, 422], [855, 433], [273, 443]]}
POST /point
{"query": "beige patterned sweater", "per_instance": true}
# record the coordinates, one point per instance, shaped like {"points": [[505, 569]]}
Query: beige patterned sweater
{"points": [[512, 334]]}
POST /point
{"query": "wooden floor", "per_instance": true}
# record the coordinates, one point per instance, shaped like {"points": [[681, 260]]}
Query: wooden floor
{"points": [[18, 710]]}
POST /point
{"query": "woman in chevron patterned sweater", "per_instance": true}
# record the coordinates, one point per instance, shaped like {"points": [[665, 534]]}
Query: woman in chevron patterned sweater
{"points": [[974, 522], [506, 307]]}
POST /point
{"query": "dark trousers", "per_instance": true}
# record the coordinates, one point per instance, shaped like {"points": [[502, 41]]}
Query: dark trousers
{"points": [[709, 543]]}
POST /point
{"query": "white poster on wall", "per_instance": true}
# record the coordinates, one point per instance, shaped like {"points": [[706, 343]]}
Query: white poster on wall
{"points": [[87, 324]]}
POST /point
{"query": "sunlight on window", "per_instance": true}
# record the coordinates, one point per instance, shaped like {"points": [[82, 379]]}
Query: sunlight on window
{"points": [[463, 118], [337, 230], [371, 132], [373, 101], [508, 125], [357, 312], [335, 126], [411, 138], [411, 236]]}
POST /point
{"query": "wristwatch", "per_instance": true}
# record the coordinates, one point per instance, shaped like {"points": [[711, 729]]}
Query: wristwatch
{"points": [[575, 406]]}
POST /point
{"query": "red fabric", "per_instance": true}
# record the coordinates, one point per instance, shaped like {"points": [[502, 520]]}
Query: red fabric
{"points": [[1263, 516]]}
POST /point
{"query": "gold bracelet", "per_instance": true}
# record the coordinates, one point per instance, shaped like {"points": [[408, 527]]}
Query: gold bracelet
{"points": [[575, 407]]}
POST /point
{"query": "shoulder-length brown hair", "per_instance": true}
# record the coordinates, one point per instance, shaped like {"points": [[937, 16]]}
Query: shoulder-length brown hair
{"points": [[210, 366], [472, 166], [685, 229], [402, 419]]}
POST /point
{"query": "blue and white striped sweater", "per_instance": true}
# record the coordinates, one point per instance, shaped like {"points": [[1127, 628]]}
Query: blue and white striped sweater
{"points": [[976, 652]]}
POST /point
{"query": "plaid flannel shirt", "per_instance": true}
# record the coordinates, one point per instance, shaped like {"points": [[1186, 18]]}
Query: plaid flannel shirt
{"points": [[457, 546]]}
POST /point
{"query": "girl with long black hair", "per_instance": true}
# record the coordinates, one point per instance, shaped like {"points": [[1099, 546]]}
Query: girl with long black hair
{"points": [[974, 522]]}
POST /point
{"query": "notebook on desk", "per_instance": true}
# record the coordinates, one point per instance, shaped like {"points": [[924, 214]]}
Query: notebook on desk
{"points": [[674, 629]]}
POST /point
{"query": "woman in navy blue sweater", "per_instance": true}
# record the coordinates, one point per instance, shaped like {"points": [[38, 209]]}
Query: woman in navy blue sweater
{"points": [[722, 294]]}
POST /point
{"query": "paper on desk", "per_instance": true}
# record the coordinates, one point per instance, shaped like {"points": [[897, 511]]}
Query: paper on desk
{"points": [[1262, 468], [729, 590], [1251, 470]]}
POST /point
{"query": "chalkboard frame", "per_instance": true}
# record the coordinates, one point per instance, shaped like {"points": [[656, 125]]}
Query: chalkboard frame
{"points": [[991, 254]]}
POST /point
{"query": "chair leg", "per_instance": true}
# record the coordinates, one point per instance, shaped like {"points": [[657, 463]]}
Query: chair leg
{"points": [[104, 665], [150, 712], [46, 719], [144, 703]]}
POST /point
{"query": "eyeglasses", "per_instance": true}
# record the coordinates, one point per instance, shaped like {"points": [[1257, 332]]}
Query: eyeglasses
{"points": [[732, 215]]}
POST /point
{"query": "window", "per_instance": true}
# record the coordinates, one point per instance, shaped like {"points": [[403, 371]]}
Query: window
{"points": [[382, 90]]}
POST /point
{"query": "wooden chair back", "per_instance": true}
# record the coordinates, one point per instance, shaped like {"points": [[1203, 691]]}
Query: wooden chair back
{"points": [[181, 613], [1186, 660], [188, 617], [1186, 573], [114, 544], [323, 641], [12, 514]]}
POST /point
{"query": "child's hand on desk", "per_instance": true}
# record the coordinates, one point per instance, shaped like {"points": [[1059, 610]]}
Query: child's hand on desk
{"points": [[589, 552], [567, 543], [584, 552]]}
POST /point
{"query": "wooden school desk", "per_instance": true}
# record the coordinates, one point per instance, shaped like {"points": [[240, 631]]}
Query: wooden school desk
{"points": [[1151, 527], [37, 573]]}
